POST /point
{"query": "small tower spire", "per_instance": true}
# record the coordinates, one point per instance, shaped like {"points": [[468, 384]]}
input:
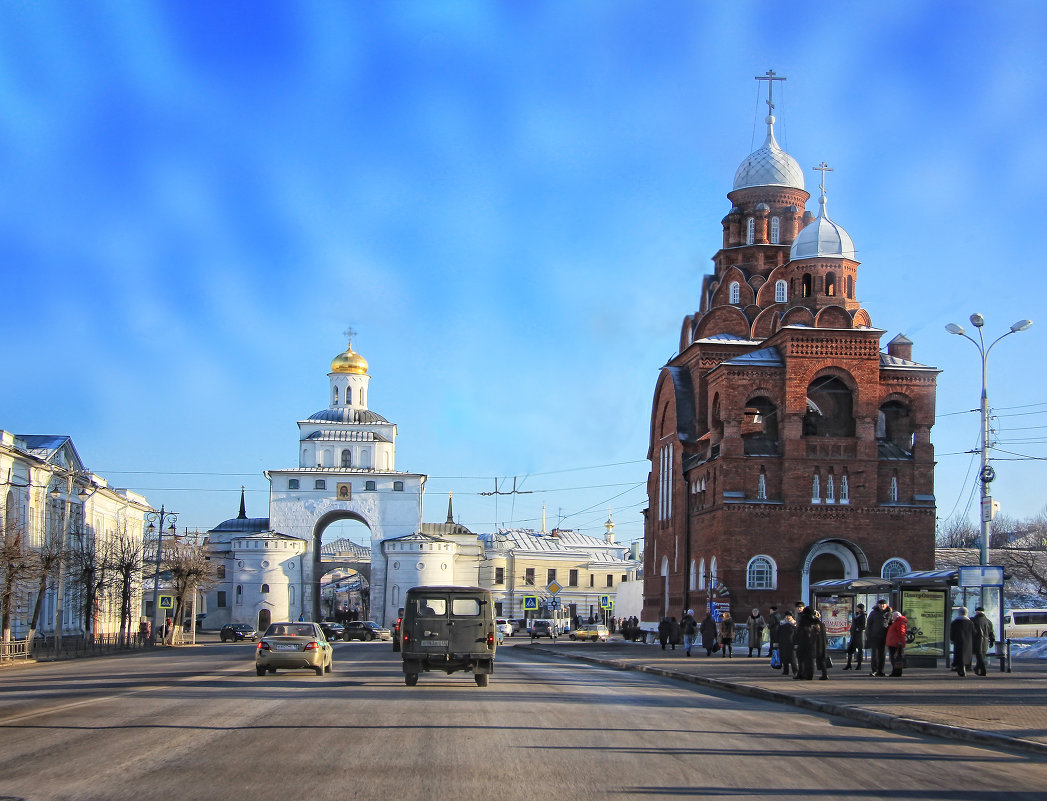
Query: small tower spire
{"points": [[609, 525], [450, 510], [770, 77], [243, 507]]}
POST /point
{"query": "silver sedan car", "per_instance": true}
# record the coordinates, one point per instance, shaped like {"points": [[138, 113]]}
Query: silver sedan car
{"points": [[293, 646]]}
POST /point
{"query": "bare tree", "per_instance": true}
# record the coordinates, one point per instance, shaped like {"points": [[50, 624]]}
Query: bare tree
{"points": [[128, 559], [50, 559], [90, 564], [190, 569], [957, 532], [18, 565]]}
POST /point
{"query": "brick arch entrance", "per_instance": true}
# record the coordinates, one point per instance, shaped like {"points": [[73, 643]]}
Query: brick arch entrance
{"points": [[831, 559]]}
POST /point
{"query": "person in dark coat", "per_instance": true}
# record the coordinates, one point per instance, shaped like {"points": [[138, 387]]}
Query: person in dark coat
{"points": [[961, 632], [774, 620], [675, 633], [709, 633], [786, 635], [984, 639], [690, 631], [727, 635], [663, 631], [856, 645], [876, 636], [810, 645], [755, 624]]}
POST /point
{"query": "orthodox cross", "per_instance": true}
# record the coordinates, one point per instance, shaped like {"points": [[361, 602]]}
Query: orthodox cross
{"points": [[823, 168], [770, 77], [349, 333]]}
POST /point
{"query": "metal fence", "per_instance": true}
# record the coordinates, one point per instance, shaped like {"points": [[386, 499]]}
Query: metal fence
{"points": [[73, 646], [14, 650]]}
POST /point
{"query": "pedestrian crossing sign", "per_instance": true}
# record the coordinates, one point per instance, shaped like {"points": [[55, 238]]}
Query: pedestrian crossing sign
{"points": [[606, 602], [530, 603], [167, 602]]}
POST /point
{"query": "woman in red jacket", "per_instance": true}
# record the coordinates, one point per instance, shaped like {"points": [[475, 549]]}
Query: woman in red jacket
{"points": [[896, 643]]}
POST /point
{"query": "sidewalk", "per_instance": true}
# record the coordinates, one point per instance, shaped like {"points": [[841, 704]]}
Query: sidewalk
{"points": [[1002, 709]]}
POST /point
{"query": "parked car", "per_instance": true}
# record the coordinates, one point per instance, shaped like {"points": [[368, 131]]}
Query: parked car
{"points": [[542, 628], [518, 626], [396, 628], [233, 632], [504, 626], [332, 630], [591, 632], [365, 630], [294, 646]]}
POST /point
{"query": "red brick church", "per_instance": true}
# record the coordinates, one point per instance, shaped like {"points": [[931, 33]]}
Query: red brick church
{"points": [[786, 446]]}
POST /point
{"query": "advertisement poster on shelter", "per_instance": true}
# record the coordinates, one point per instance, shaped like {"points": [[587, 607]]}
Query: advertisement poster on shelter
{"points": [[925, 611], [836, 614]]}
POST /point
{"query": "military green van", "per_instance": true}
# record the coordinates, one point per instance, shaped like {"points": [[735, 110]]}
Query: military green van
{"points": [[448, 629]]}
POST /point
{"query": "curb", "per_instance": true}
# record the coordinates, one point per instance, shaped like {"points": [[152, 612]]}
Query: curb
{"points": [[880, 720]]}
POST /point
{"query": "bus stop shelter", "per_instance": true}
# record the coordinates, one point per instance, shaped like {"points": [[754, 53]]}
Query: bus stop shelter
{"points": [[837, 599], [925, 597]]}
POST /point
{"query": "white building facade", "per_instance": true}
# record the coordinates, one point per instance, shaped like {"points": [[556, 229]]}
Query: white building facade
{"points": [[50, 500]]}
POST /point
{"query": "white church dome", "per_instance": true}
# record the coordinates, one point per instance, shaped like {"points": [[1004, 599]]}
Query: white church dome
{"points": [[769, 166]]}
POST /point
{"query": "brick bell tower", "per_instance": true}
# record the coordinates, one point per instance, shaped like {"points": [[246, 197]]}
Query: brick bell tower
{"points": [[786, 447]]}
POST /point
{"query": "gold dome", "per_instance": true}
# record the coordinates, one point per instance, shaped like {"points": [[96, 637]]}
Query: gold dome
{"points": [[349, 362]]}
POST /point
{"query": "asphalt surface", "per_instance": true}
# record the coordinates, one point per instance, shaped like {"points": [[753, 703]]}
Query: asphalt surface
{"points": [[195, 723], [1002, 709]]}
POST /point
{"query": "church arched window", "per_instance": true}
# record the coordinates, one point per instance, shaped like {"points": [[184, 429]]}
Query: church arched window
{"points": [[845, 489], [750, 231], [221, 572], [398, 486], [781, 291], [292, 483], [830, 488], [712, 572], [735, 292], [347, 458], [348, 395], [829, 409], [334, 396], [892, 493], [693, 583], [850, 286], [239, 593], [761, 485], [701, 574], [816, 488], [265, 589], [893, 568], [807, 285], [830, 284], [776, 228]]}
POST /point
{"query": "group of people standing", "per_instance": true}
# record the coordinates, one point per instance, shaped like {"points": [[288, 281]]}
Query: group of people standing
{"points": [[971, 636]]}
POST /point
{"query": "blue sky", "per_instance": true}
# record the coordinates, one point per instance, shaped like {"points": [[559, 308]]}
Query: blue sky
{"points": [[512, 203]]}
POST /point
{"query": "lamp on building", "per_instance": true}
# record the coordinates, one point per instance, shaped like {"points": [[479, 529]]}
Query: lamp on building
{"points": [[987, 473], [155, 518]]}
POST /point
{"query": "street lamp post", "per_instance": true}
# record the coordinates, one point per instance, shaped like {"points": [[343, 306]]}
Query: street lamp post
{"points": [[155, 518], [987, 473]]}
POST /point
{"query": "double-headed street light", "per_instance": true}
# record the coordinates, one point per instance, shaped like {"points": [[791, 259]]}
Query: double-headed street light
{"points": [[155, 518], [987, 473]]}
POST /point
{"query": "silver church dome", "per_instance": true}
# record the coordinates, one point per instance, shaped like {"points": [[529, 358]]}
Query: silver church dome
{"points": [[769, 166]]}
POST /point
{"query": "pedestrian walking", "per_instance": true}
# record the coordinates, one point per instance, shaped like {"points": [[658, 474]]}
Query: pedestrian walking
{"points": [[689, 624], [896, 634], [984, 639], [786, 644], [709, 633], [727, 635], [961, 632], [663, 631], [756, 624], [675, 634], [856, 645], [810, 645], [876, 636]]}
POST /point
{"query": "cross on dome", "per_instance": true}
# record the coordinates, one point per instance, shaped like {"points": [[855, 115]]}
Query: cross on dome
{"points": [[770, 77]]}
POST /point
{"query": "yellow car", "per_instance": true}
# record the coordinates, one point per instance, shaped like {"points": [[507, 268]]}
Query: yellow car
{"points": [[293, 645], [593, 633]]}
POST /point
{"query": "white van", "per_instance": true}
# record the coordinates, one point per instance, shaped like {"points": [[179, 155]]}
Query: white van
{"points": [[1025, 623]]}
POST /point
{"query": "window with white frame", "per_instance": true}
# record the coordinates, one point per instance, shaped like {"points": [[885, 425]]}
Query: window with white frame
{"points": [[776, 230], [761, 574], [830, 488], [735, 292], [761, 486], [693, 583], [816, 489], [893, 568], [845, 489], [750, 231], [665, 482], [348, 395], [781, 291], [712, 572], [347, 458], [893, 491], [701, 574]]}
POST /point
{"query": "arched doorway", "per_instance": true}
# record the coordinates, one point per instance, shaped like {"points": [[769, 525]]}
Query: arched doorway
{"points": [[265, 617], [338, 526], [831, 559]]}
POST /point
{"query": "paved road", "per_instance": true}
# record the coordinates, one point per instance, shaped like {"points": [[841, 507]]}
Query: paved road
{"points": [[197, 723]]}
